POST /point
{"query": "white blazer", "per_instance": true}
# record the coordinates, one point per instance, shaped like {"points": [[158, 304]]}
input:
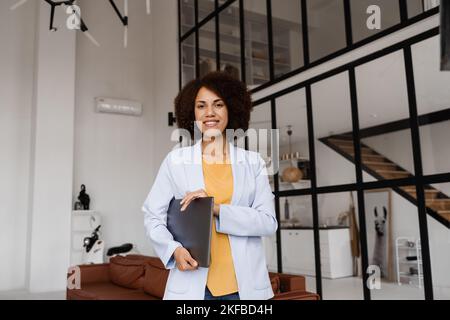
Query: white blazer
{"points": [[248, 217]]}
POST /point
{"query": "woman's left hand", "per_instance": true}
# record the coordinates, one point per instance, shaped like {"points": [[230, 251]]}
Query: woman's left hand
{"points": [[194, 195]]}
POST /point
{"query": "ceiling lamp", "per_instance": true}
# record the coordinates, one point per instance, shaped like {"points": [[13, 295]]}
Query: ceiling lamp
{"points": [[291, 174], [71, 9]]}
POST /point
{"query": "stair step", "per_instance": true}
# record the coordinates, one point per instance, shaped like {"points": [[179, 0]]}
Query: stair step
{"points": [[341, 142], [364, 150], [373, 157], [379, 165], [429, 193], [394, 173], [413, 189], [445, 214], [438, 204]]}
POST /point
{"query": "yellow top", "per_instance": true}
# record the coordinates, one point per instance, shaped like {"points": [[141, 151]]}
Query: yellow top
{"points": [[218, 180]]}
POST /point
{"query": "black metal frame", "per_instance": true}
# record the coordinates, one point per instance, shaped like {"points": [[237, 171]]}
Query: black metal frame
{"points": [[419, 180], [307, 64], [425, 119], [123, 19]]}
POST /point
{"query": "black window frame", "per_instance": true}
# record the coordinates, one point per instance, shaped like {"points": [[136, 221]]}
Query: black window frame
{"points": [[405, 21]]}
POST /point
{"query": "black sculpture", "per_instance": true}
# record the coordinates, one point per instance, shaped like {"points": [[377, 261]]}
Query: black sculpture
{"points": [[84, 198]]}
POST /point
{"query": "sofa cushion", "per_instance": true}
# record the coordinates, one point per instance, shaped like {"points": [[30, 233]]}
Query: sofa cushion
{"points": [[275, 281], [107, 291], [155, 279], [296, 295], [127, 272]]}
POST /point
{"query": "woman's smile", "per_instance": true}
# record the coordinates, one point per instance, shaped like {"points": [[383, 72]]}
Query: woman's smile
{"points": [[211, 123]]}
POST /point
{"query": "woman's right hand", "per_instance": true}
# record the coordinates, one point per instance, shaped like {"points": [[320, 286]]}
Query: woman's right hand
{"points": [[184, 260]]}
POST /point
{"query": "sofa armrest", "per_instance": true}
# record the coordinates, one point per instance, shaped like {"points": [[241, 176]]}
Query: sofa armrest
{"points": [[94, 273], [290, 282], [296, 295]]}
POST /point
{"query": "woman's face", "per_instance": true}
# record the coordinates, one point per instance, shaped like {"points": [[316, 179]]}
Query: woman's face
{"points": [[211, 113]]}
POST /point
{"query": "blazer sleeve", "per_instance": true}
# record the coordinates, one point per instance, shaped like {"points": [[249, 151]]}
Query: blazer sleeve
{"points": [[155, 216], [257, 220]]}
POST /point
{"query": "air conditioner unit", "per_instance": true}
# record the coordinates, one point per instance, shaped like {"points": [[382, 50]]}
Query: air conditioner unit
{"points": [[118, 106]]}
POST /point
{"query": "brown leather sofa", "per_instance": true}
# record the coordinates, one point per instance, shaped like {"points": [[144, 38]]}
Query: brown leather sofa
{"points": [[137, 277]]}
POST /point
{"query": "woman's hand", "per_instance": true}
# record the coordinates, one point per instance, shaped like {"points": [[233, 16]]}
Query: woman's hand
{"points": [[184, 260], [194, 195], [191, 196]]}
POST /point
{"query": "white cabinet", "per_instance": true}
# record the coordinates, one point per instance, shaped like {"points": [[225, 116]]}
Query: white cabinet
{"points": [[336, 253], [297, 246], [83, 224]]}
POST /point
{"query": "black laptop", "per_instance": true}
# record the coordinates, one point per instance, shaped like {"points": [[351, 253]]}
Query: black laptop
{"points": [[192, 227]]}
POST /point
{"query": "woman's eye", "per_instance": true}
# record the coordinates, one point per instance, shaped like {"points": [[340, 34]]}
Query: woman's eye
{"points": [[199, 106]]}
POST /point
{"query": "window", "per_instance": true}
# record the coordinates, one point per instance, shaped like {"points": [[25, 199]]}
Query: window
{"points": [[382, 100], [230, 40], [187, 13], [330, 189], [256, 43], [302, 32], [207, 48], [287, 36], [188, 65], [295, 171], [326, 27], [331, 134]]}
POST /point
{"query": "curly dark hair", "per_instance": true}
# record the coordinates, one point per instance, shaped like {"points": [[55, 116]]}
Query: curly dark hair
{"points": [[232, 91]]}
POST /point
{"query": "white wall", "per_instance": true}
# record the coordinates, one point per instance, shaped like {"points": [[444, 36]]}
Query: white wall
{"points": [[114, 154], [52, 154], [16, 90], [117, 157], [165, 76]]}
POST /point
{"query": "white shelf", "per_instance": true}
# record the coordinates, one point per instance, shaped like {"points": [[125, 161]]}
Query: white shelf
{"points": [[402, 250], [406, 247], [255, 40], [84, 211], [82, 225], [411, 262], [406, 274]]}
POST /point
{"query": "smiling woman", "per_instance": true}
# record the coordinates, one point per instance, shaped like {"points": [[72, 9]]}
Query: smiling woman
{"points": [[243, 200], [219, 89]]}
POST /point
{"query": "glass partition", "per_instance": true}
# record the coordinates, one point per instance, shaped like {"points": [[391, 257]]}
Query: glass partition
{"points": [[326, 27], [292, 122]]}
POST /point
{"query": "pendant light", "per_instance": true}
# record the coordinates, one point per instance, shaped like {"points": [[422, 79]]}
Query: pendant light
{"points": [[292, 173]]}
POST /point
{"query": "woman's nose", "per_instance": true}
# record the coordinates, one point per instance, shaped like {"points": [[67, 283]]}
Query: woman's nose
{"points": [[210, 111]]}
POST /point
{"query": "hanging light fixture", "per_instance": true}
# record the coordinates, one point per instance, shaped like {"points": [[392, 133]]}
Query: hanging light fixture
{"points": [[123, 18], [82, 26], [292, 173]]}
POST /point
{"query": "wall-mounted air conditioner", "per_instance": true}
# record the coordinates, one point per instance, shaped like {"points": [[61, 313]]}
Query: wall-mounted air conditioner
{"points": [[118, 106]]}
